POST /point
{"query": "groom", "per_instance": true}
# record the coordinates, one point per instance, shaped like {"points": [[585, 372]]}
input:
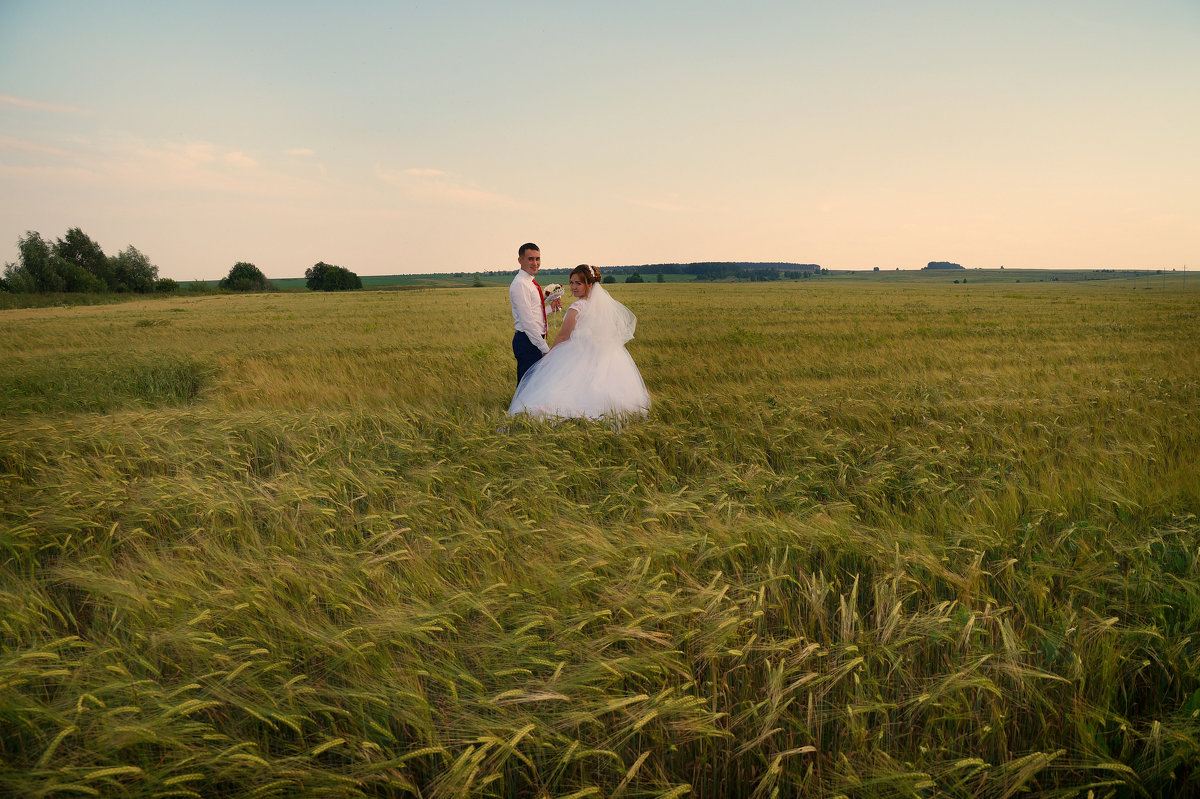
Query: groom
{"points": [[528, 310]]}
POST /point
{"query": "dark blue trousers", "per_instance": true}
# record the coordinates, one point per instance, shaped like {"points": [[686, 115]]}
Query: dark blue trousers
{"points": [[526, 354]]}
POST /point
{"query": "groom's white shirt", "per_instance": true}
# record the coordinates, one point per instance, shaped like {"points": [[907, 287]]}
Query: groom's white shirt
{"points": [[527, 309]]}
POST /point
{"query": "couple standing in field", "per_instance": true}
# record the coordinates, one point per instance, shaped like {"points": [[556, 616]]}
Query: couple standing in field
{"points": [[587, 373]]}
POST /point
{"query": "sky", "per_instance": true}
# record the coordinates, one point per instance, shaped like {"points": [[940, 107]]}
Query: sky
{"points": [[409, 137]]}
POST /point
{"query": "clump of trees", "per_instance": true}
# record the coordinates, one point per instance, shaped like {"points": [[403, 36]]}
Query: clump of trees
{"points": [[327, 277], [76, 263], [944, 265], [245, 276], [635, 278]]}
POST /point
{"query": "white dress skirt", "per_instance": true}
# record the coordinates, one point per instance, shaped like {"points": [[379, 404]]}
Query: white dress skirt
{"points": [[590, 375]]}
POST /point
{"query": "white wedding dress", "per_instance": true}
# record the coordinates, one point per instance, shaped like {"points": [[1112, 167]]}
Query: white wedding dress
{"points": [[591, 374]]}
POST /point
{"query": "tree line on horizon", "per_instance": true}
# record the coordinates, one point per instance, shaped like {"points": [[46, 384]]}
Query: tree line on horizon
{"points": [[756, 272], [705, 270], [76, 264]]}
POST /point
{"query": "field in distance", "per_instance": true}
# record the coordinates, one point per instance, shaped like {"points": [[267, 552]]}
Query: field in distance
{"points": [[468, 279], [877, 537]]}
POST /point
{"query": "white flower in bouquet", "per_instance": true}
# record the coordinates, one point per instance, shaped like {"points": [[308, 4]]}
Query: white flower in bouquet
{"points": [[554, 291]]}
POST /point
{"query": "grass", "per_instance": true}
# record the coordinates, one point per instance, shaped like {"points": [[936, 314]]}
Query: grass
{"points": [[876, 539]]}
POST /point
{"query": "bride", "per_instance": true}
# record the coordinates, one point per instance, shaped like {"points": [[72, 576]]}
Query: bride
{"points": [[588, 372]]}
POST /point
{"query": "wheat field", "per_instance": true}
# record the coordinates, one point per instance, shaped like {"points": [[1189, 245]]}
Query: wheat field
{"points": [[874, 539]]}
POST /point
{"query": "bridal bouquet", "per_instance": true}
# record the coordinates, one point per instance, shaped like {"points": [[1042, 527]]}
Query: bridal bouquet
{"points": [[554, 291]]}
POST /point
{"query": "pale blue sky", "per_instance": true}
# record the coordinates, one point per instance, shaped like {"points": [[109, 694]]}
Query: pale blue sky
{"points": [[418, 137]]}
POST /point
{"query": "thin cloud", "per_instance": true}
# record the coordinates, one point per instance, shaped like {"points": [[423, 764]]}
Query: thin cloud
{"points": [[142, 166], [669, 206], [300, 151], [75, 175], [37, 105], [240, 159], [196, 151], [392, 176], [9, 143], [192, 166], [438, 187]]}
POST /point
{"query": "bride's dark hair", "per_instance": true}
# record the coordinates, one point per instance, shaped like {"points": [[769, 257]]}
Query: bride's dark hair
{"points": [[590, 274]]}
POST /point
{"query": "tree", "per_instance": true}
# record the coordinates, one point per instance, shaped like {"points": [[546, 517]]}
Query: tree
{"points": [[132, 271], [34, 270], [327, 277], [245, 276], [660, 278], [40, 268], [314, 276], [634, 278], [609, 279], [341, 279], [75, 263], [80, 251], [165, 285]]}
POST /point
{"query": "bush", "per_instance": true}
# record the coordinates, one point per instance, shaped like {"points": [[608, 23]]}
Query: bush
{"points": [[327, 277], [245, 276], [634, 278], [77, 279], [165, 285], [609, 279]]}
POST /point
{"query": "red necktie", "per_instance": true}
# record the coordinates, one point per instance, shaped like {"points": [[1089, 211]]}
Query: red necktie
{"points": [[542, 302]]}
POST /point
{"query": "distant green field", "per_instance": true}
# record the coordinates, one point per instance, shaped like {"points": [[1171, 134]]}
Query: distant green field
{"points": [[457, 280], [1145, 279], [1153, 278], [880, 535]]}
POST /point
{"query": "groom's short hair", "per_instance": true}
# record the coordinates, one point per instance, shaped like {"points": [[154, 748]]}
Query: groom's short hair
{"points": [[529, 245]]}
